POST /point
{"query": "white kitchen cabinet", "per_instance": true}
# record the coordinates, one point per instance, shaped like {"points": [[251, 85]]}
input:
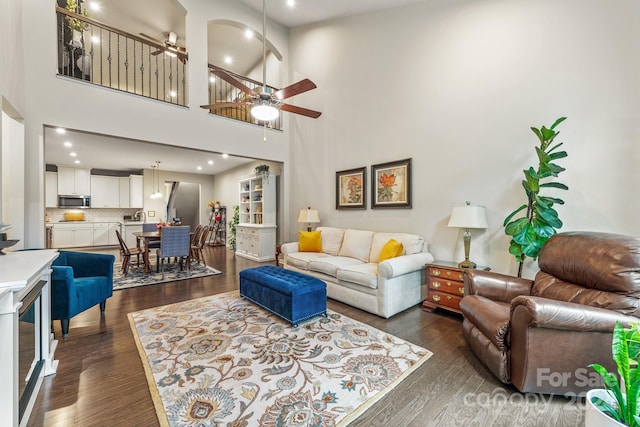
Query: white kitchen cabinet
{"points": [[74, 181], [136, 191], [51, 190], [72, 235], [128, 236], [256, 242], [113, 238], [105, 191], [100, 234], [124, 192]]}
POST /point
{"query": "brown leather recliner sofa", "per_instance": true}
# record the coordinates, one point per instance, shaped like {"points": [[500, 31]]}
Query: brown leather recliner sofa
{"points": [[541, 335]]}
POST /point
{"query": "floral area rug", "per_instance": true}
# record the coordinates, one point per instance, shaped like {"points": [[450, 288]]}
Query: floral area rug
{"points": [[137, 277], [221, 360]]}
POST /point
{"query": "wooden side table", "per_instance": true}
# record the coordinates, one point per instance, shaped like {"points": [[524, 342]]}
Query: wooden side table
{"points": [[445, 286]]}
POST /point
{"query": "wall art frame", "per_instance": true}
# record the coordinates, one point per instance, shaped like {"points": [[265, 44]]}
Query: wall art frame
{"points": [[351, 186], [391, 184]]}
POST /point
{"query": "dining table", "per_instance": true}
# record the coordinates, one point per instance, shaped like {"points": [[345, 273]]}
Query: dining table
{"points": [[146, 237]]}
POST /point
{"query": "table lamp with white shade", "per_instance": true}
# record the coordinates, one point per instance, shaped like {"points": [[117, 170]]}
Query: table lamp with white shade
{"points": [[310, 216], [468, 217]]}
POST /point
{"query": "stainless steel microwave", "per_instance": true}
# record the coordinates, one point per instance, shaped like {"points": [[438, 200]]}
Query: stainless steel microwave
{"points": [[76, 202]]}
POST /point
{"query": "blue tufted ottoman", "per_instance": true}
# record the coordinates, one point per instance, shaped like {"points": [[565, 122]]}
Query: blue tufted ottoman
{"points": [[291, 295]]}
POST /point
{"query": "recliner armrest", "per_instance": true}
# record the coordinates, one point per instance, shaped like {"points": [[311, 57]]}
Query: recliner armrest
{"points": [[404, 264], [495, 286], [539, 312]]}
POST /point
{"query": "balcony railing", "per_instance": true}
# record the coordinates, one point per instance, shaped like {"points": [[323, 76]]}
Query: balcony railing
{"points": [[108, 57], [221, 91]]}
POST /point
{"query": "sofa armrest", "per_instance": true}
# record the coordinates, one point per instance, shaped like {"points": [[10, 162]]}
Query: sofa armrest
{"points": [[404, 264], [495, 286], [289, 248], [63, 291], [539, 312], [88, 264]]}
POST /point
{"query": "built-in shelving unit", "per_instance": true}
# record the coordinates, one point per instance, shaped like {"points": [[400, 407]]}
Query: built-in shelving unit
{"points": [[256, 231]]}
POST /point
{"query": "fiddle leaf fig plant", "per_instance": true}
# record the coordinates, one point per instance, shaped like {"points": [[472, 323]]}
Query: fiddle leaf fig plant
{"points": [[540, 220]]}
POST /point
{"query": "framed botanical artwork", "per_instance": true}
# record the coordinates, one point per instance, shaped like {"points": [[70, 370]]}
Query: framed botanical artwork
{"points": [[391, 185], [351, 189]]}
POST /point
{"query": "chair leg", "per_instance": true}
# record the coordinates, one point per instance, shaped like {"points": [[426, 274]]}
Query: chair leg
{"points": [[126, 265], [64, 323], [103, 306]]}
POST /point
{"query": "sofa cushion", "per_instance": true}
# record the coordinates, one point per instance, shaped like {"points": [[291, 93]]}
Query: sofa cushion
{"points": [[391, 249], [360, 274], [331, 239], [357, 244], [309, 241], [301, 259], [412, 243], [330, 264]]}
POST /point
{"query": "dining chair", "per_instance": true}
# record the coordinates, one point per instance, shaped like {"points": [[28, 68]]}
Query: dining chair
{"points": [[126, 254], [149, 227], [174, 242], [198, 242]]}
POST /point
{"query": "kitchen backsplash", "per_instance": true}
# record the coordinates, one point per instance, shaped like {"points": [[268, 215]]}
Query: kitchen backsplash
{"points": [[93, 215]]}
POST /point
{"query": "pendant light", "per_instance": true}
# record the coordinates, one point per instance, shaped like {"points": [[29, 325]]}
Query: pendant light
{"points": [[157, 194], [263, 109]]}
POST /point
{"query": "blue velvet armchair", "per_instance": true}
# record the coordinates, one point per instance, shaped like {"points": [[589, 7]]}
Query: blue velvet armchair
{"points": [[79, 281]]}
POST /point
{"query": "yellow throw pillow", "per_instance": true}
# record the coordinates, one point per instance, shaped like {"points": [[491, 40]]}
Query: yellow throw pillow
{"points": [[391, 249], [309, 241]]}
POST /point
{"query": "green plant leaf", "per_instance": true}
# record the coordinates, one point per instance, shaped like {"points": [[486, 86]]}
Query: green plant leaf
{"points": [[516, 226], [525, 236], [533, 181], [533, 248], [558, 155], [551, 200], [557, 122], [550, 216], [547, 134], [542, 156], [543, 229], [538, 133], [555, 169], [511, 215], [554, 185]]}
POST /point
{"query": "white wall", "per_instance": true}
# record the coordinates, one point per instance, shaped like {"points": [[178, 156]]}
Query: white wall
{"points": [[75, 105], [12, 188], [456, 87]]}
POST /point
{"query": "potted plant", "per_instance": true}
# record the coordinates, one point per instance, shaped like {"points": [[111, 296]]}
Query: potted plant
{"points": [[232, 226], [530, 232], [617, 404], [263, 170], [76, 25]]}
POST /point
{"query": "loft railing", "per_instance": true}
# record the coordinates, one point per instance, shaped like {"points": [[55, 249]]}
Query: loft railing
{"points": [[109, 57], [221, 91]]}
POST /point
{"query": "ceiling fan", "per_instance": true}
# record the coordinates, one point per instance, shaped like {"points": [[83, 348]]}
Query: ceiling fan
{"points": [[265, 105], [170, 46]]}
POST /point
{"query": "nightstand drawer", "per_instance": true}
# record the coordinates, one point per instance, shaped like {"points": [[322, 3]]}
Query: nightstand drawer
{"points": [[456, 288], [445, 274], [444, 299]]}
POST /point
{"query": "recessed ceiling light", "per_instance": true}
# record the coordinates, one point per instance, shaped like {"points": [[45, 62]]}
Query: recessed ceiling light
{"points": [[199, 168], [173, 94], [248, 33], [228, 60], [76, 161], [210, 162], [291, 3], [212, 79], [60, 130], [67, 144], [95, 39], [225, 155], [72, 154], [94, 6]]}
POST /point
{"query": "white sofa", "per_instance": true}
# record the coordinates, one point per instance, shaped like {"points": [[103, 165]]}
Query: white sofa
{"points": [[349, 265]]}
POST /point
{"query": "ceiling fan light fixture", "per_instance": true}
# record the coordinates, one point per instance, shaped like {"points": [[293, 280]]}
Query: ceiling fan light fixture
{"points": [[265, 112]]}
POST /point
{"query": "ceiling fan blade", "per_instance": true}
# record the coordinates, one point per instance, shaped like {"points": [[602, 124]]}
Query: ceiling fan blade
{"points": [[300, 110], [294, 89], [224, 105], [234, 82]]}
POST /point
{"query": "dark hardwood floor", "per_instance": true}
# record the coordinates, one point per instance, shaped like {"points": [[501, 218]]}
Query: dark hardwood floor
{"points": [[100, 380]]}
